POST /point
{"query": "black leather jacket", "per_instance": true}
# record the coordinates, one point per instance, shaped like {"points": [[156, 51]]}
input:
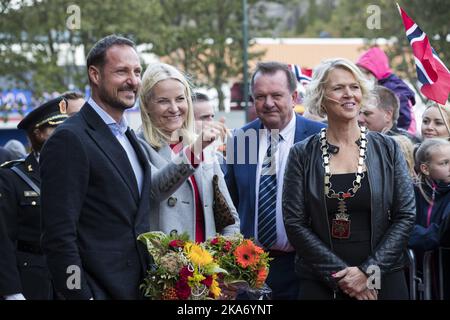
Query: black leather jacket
{"points": [[305, 213]]}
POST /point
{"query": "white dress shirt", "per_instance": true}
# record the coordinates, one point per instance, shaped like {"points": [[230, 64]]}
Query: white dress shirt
{"points": [[281, 155], [118, 130]]}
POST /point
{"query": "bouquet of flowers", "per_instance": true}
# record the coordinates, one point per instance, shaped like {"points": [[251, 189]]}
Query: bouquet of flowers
{"points": [[247, 264], [181, 270]]}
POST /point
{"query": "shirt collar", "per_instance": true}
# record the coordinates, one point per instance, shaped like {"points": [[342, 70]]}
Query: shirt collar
{"points": [[290, 128], [120, 127], [286, 131]]}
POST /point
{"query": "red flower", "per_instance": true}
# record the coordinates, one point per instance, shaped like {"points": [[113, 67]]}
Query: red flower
{"points": [[183, 289], [207, 281], [176, 244], [185, 273], [227, 246], [214, 241]]}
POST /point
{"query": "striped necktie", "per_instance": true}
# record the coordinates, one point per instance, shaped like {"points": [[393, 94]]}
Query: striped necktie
{"points": [[267, 200]]}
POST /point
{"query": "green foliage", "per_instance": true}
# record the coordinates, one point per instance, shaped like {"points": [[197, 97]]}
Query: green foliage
{"points": [[202, 38], [348, 18], [205, 39]]}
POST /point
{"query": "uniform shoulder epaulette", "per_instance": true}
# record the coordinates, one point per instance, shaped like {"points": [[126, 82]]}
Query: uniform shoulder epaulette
{"points": [[12, 163]]}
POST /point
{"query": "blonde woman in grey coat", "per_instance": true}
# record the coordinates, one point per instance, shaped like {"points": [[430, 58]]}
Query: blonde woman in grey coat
{"points": [[180, 160]]}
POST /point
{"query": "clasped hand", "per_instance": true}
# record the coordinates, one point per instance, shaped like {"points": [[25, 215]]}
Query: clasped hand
{"points": [[354, 284]]}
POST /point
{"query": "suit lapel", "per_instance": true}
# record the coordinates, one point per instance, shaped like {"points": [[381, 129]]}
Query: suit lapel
{"points": [[111, 147], [143, 208], [162, 156], [134, 142], [301, 131]]}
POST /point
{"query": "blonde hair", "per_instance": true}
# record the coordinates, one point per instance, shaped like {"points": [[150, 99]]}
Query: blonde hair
{"points": [[423, 156], [446, 111], [155, 73], [407, 148], [316, 88]]}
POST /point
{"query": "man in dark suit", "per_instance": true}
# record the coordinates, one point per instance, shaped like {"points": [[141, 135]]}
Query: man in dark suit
{"points": [[255, 166], [96, 185], [20, 204]]}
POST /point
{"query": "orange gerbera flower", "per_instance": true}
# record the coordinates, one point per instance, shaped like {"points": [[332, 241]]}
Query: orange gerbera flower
{"points": [[261, 277], [247, 254]]}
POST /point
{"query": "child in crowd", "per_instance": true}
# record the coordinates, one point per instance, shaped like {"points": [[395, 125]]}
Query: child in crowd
{"points": [[432, 193], [432, 228]]}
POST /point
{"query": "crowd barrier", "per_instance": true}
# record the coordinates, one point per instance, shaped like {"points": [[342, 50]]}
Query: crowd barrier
{"points": [[421, 285]]}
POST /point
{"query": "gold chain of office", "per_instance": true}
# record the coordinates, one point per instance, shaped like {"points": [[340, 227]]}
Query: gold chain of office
{"points": [[359, 175]]}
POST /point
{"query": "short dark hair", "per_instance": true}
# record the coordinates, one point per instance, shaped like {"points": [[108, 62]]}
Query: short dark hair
{"points": [[388, 101], [199, 97], [270, 68], [97, 55], [72, 95]]}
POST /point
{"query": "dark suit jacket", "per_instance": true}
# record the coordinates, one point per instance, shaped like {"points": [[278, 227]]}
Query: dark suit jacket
{"points": [[241, 175], [20, 207], [9, 275], [92, 211]]}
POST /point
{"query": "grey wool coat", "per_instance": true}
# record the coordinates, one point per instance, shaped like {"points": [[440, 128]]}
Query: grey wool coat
{"points": [[172, 201]]}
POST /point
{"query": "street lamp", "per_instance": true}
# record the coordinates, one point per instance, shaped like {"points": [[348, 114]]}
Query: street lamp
{"points": [[245, 57]]}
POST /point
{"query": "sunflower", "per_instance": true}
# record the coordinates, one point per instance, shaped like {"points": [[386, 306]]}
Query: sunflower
{"points": [[215, 288], [247, 254], [198, 255]]}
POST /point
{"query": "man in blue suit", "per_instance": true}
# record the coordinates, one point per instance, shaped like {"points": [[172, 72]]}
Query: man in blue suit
{"points": [[255, 167], [95, 185]]}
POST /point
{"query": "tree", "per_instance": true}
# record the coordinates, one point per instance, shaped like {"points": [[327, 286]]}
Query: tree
{"points": [[350, 19], [204, 39], [35, 38]]}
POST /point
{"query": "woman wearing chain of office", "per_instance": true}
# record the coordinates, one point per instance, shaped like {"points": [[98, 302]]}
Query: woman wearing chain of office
{"points": [[348, 200]]}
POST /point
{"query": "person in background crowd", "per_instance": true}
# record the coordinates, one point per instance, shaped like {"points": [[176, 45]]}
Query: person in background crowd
{"points": [[434, 123], [20, 203], [74, 101], [381, 112], [407, 148], [375, 65], [348, 201], [5, 155], [203, 110], [432, 191], [256, 184], [168, 138], [16, 148]]}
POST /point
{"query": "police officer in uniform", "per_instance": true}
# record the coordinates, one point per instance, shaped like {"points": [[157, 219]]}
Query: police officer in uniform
{"points": [[20, 204], [9, 274]]}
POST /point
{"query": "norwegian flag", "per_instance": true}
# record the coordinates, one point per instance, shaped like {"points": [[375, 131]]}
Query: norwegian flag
{"points": [[303, 75], [431, 71]]}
